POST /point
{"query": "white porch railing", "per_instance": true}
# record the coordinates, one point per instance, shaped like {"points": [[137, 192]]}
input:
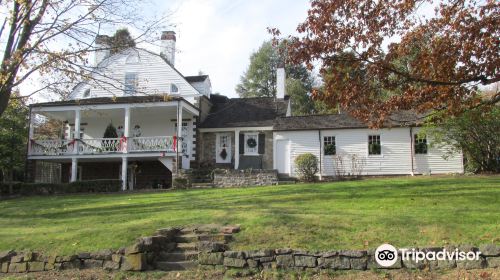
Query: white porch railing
{"points": [[51, 147], [151, 144], [100, 146], [96, 146]]}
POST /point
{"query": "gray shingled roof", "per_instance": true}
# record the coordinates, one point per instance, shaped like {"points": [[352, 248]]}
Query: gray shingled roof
{"points": [[196, 79], [108, 100], [244, 112], [339, 121]]}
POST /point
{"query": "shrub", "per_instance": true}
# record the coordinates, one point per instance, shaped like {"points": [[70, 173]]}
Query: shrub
{"points": [[107, 185], [181, 183], [307, 167]]}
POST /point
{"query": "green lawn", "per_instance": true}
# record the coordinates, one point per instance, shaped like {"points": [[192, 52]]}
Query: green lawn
{"points": [[402, 211]]}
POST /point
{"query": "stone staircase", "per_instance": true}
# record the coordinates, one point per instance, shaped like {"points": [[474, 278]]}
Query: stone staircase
{"points": [[285, 179], [188, 242]]}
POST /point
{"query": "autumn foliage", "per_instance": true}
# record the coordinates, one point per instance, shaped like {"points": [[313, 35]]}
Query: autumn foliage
{"points": [[377, 57]]}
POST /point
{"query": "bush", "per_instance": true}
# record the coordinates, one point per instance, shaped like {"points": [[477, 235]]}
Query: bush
{"points": [[307, 167], [107, 185], [181, 183]]}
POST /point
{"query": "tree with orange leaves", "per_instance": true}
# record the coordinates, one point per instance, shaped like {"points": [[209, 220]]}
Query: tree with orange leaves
{"points": [[378, 57]]}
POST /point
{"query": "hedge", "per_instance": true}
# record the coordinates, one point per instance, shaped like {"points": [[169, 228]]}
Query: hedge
{"points": [[106, 185]]}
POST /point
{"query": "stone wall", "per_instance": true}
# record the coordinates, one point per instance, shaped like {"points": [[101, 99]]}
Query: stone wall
{"points": [[243, 178], [140, 256], [339, 260]]}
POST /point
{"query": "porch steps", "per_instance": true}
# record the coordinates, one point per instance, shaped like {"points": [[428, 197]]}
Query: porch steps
{"points": [[185, 254], [285, 179], [174, 266]]}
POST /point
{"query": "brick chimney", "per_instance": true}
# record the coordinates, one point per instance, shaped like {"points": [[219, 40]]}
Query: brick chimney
{"points": [[167, 46]]}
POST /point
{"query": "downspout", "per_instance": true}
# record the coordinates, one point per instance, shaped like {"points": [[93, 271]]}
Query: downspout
{"points": [[411, 151], [320, 152]]}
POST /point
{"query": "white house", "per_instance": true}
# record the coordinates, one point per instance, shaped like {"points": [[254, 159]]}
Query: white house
{"points": [[166, 121]]}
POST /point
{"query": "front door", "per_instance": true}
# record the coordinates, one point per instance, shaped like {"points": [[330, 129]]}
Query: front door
{"points": [[223, 153], [283, 156]]}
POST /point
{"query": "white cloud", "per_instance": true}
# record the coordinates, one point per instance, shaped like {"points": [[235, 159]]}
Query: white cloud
{"points": [[218, 36]]}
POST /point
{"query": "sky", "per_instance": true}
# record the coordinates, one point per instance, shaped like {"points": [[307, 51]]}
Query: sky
{"points": [[217, 37]]}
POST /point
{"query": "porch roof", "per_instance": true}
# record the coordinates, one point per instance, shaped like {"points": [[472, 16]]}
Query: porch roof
{"points": [[111, 100]]}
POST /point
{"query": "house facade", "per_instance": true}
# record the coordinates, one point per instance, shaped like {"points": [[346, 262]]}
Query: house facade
{"points": [[140, 120]]}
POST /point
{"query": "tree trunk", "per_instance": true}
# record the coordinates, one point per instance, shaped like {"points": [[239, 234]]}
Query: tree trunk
{"points": [[4, 99]]}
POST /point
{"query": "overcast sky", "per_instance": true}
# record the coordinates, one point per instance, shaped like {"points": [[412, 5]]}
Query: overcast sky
{"points": [[218, 36]]}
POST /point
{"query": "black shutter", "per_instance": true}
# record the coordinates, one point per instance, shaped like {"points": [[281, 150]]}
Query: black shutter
{"points": [[262, 143], [242, 144]]}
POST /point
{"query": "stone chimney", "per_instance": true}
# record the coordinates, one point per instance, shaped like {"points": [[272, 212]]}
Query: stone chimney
{"points": [[167, 46], [280, 82], [102, 49]]}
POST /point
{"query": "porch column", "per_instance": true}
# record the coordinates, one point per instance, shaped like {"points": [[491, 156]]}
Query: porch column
{"points": [[236, 148], [30, 132], [124, 173], [76, 135], [179, 136], [126, 128], [74, 169]]}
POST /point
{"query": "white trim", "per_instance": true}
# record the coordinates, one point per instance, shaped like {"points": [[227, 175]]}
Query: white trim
{"points": [[108, 156], [253, 133], [190, 106], [228, 129], [228, 148]]}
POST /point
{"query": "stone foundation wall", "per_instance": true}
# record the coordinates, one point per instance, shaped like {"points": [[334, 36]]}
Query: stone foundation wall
{"points": [[140, 256], [243, 178], [340, 260]]}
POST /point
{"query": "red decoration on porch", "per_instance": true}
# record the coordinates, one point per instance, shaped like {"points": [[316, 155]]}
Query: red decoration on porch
{"points": [[175, 143], [123, 142]]}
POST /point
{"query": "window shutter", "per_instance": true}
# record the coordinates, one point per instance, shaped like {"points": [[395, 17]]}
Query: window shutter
{"points": [[262, 143], [242, 144]]}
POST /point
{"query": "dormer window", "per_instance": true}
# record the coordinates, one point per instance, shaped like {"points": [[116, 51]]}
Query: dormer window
{"points": [[131, 81], [174, 88], [86, 93]]}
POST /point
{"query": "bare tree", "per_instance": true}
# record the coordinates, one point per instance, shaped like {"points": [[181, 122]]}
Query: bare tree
{"points": [[53, 39]]}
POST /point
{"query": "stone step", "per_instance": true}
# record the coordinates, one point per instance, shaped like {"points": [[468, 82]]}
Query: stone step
{"points": [[201, 229], [179, 256], [202, 185], [183, 247], [187, 238], [172, 266]]}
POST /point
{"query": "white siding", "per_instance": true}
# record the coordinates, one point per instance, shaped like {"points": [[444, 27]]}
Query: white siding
{"points": [[154, 74], [395, 157]]}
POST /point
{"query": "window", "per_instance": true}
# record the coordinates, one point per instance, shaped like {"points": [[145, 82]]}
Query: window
{"points": [[130, 83], [374, 147], [86, 93], [174, 88], [329, 146], [420, 144], [251, 144]]}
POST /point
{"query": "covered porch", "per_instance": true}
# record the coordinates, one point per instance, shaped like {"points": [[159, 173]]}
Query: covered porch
{"points": [[114, 132]]}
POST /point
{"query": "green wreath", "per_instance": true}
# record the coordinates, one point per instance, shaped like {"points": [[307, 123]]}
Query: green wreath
{"points": [[251, 143]]}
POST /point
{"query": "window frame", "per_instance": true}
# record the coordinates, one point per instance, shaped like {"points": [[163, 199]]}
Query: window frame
{"points": [[126, 84], [325, 140], [172, 86], [379, 143], [417, 142], [245, 150]]}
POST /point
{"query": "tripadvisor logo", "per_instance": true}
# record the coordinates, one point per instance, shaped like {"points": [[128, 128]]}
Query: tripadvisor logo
{"points": [[387, 255]]}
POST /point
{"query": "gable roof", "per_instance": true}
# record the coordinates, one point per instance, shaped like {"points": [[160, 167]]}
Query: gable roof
{"points": [[196, 79], [342, 121], [244, 112]]}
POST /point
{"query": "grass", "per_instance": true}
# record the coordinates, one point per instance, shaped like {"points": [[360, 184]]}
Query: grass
{"points": [[420, 211]]}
